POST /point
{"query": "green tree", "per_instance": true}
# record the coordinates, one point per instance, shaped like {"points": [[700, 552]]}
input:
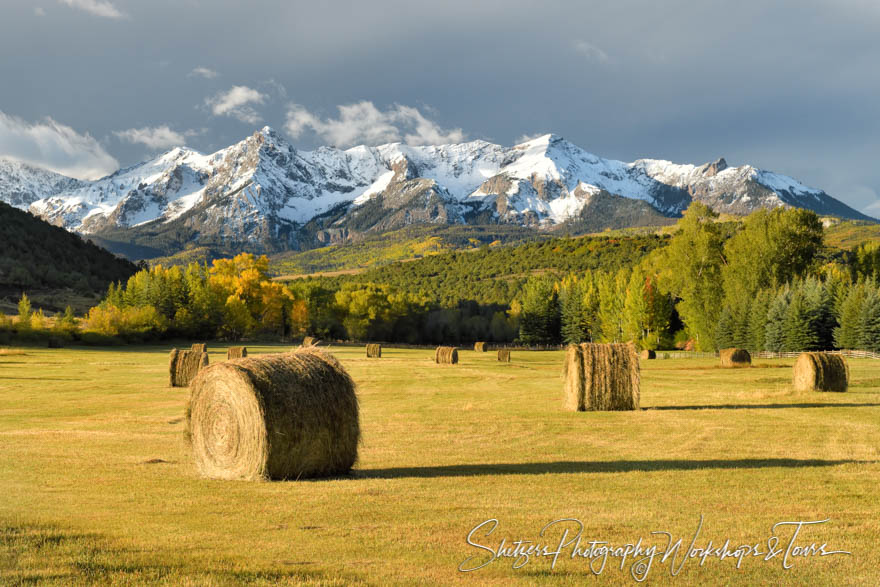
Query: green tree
{"points": [[771, 248], [24, 312], [539, 319], [690, 269]]}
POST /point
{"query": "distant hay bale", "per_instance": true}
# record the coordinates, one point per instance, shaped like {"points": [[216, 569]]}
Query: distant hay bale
{"points": [[55, 342], [820, 372], [310, 341], [504, 355], [734, 357], [600, 377], [481, 347], [236, 352], [648, 354], [184, 365], [282, 416], [446, 355], [199, 347], [374, 351]]}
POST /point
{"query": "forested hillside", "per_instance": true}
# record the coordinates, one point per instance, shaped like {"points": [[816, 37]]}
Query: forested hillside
{"points": [[37, 255]]}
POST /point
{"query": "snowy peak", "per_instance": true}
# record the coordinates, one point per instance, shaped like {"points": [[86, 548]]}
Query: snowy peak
{"points": [[262, 192], [22, 184]]}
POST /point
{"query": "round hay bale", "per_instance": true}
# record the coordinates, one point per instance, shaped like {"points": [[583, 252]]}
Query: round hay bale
{"points": [[820, 372], [374, 351], [199, 347], [481, 347], [600, 377], [236, 352], [504, 355], [648, 354], [734, 357], [184, 365], [173, 358], [283, 416], [446, 355], [310, 341]]}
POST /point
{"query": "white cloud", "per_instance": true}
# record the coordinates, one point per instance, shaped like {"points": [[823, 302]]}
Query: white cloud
{"points": [[159, 137], [205, 72], [100, 8], [363, 123], [590, 51], [527, 137], [39, 11], [54, 146], [237, 102]]}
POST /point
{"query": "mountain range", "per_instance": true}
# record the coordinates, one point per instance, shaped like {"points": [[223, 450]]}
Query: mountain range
{"points": [[263, 195]]}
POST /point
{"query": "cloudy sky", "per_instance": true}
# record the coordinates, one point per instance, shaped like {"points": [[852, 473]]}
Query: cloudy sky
{"points": [[792, 86]]}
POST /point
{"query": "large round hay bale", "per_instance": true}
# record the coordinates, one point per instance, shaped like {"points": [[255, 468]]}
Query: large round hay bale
{"points": [[446, 355], [310, 341], [236, 352], [282, 416], [820, 372], [734, 357], [648, 354], [184, 365], [374, 351], [199, 347], [601, 377], [504, 355], [481, 347]]}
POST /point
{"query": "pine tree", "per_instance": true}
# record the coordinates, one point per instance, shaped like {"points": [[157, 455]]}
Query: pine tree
{"points": [[797, 327], [846, 334], [757, 320], [724, 333], [774, 333], [869, 322]]}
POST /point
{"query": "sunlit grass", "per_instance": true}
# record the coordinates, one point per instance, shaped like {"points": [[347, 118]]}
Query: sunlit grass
{"points": [[96, 483]]}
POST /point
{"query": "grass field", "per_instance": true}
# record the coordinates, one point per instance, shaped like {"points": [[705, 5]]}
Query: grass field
{"points": [[96, 483]]}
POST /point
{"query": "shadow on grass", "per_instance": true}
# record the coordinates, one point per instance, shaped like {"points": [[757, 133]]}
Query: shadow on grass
{"points": [[591, 467], [764, 406], [38, 555]]}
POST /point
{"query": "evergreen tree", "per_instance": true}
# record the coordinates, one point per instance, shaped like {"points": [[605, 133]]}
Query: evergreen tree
{"points": [[724, 333], [846, 334], [539, 320], [869, 322], [757, 320], [774, 330]]}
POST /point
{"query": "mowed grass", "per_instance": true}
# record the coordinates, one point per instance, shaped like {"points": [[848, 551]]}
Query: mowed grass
{"points": [[96, 482]]}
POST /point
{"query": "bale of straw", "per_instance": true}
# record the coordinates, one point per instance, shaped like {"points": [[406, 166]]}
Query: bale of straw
{"points": [[310, 341], [55, 342], [820, 372], [199, 347], [183, 366], [374, 351], [481, 347], [734, 357], [648, 354], [446, 355], [601, 377], [236, 352], [504, 355], [282, 416]]}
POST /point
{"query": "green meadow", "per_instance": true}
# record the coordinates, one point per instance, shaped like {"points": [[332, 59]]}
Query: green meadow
{"points": [[97, 485]]}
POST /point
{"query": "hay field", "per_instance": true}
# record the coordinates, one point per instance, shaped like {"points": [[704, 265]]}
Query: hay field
{"points": [[96, 483]]}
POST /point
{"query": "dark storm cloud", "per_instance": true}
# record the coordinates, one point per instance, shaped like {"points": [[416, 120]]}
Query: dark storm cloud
{"points": [[790, 86]]}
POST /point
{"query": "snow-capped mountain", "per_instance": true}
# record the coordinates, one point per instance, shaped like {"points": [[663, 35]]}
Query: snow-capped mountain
{"points": [[263, 194], [22, 184]]}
